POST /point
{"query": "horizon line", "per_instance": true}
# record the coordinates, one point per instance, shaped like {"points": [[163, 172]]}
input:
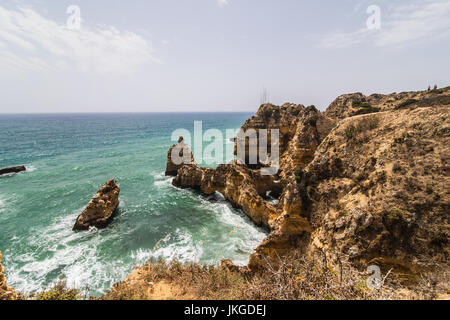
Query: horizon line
{"points": [[120, 112]]}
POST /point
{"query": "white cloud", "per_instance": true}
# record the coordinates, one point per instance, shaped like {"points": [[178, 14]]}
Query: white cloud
{"points": [[32, 42], [402, 24], [222, 3], [12, 62], [342, 39]]}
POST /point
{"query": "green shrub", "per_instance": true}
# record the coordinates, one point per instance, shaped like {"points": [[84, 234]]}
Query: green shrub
{"points": [[312, 121], [356, 103], [270, 110], [397, 167], [372, 123], [298, 174], [364, 108], [395, 214], [382, 177], [367, 123], [59, 292], [351, 132], [406, 103], [366, 111], [361, 176]]}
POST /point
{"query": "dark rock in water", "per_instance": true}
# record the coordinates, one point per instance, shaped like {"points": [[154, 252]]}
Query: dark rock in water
{"points": [[12, 170], [211, 199], [99, 211], [184, 152]]}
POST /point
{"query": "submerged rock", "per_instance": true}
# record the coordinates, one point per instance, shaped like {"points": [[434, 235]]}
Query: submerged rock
{"points": [[99, 211], [6, 292], [185, 154], [12, 170]]}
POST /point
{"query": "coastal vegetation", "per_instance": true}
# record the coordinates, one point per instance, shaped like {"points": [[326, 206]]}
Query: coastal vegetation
{"points": [[293, 278], [60, 291]]}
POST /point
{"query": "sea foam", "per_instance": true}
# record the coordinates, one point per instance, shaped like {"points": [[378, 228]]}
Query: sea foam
{"points": [[30, 168]]}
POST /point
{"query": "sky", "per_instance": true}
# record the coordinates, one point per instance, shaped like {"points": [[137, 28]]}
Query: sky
{"points": [[215, 55]]}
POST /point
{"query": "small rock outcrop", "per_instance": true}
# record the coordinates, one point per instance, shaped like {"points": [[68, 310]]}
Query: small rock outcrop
{"points": [[100, 209], [6, 292], [184, 152], [12, 170]]}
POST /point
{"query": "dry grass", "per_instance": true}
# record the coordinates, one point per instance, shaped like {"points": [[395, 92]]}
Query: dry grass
{"points": [[364, 124], [58, 292], [189, 281], [295, 278]]}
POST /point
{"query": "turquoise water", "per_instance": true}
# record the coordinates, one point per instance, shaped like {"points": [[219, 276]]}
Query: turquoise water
{"points": [[68, 158]]}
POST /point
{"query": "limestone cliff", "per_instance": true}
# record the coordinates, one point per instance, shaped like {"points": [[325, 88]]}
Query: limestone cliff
{"points": [[348, 105], [377, 189], [367, 196], [364, 181], [243, 187], [301, 129], [6, 292]]}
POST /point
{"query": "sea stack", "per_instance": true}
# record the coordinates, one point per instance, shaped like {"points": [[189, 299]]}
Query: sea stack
{"points": [[12, 170], [185, 154], [99, 212]]}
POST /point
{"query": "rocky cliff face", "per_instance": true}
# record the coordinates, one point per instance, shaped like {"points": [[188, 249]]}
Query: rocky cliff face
{"points": [[100, 209], [243, 187], [376, 189], [367, 196], [349, 105], [6, 292], [364, 181]]}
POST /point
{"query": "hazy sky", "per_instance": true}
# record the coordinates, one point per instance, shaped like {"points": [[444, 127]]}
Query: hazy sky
{"points": [[214, 55]]}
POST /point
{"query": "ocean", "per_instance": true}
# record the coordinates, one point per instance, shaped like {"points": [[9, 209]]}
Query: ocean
{"points": [[68, 157]]}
